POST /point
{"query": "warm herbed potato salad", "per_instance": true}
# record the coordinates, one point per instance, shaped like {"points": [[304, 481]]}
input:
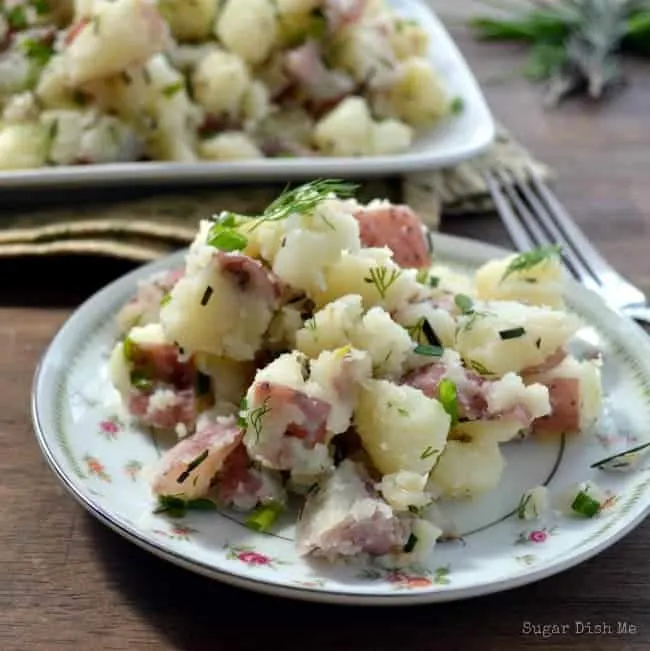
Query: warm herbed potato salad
{"points": [[317, 350], [100, 81]]}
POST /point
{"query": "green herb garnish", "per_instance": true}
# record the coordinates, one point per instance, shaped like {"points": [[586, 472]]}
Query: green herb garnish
{"points": [[41, 6], [620, 460], [17, 17], [171, 89], [195, 463], [448, 398], [429, 351], [222, 234], [464, 303], [264, 517], [584, 504], [37, 51], [523, 503], [512, 333], [429, 451], [176, 507], [255, 418], [140, 381], [457, 105], [305, 198], [129, 348], [531, 258], [382, 279], [165, 299], [479, 368], [79, 98], [410, 543]]}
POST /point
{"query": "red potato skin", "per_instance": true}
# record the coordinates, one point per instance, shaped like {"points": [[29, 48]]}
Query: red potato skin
{"points": [[399, 229], [564, 395]]}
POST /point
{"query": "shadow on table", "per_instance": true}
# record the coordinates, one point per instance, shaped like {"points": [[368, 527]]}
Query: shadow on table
{"points": [[198, 614]]}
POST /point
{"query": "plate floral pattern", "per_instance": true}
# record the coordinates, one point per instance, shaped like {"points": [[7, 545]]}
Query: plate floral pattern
{"points": [[103, 460]]}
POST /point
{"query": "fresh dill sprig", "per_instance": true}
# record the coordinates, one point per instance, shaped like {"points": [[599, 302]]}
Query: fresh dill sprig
{"points": [[305, 198], [382, 279], [531, 258], [255, 418]]}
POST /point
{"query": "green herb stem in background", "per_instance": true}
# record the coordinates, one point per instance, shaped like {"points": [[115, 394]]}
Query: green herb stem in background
{"points": [[575, 45]]}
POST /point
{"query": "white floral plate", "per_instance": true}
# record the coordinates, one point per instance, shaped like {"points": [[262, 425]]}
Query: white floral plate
{"points": [[101, 461]]}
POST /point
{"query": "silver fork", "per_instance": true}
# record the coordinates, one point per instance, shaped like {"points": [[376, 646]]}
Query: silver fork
{"points": [[533, 216]]}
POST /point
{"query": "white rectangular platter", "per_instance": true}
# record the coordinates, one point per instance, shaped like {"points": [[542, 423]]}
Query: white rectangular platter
{"points": [[454, 139]]}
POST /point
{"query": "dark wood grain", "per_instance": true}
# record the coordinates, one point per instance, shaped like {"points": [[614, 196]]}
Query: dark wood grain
{"points": [[67, 582]]}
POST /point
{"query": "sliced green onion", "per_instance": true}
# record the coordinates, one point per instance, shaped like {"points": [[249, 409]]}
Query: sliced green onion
{"points": [[429, 451], [195, 463], [512, 333], [464, 303], [176, 506], [411, 543], [430, 334], [622, 460], [263, 518], [586, 505], [434, 281], [448, 398], [429, 351], [171, 89]]}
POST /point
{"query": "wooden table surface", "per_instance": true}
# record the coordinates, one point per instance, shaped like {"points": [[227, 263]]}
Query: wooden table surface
{"points": [[67, 582]]}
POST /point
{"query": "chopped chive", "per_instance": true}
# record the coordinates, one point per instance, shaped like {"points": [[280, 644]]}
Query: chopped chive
{"points": [[479, 368], [41, 6], [264, 517], [538, 343], [464, 303], [38, 51], [17, 18], [195, 463], [203, 384], [584, 504], [429, 451], [448, 398], [429, 351], [531, 259], [242, 421], [411, 543], [430, 334], [165, 299], [79, 98], [523, 503], [512, 333], [207, 294], [618, 461], [456, 105], [434, 281]]}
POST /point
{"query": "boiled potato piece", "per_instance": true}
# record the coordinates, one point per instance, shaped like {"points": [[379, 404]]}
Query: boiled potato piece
{"points": [[408, 39], [249, 28], [23, 145], [220, 82], [502, 336], [401, 429], [189, 20], [229, 145], [347, 130], [467, 469], [538, 284]]}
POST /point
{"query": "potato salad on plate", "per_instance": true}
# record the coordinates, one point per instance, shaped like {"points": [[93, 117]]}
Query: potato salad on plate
{"points": [[317, 354], [105, 81]]}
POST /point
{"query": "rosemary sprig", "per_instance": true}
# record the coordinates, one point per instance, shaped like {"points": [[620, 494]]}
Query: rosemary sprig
{"points": [[575, 44]]}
